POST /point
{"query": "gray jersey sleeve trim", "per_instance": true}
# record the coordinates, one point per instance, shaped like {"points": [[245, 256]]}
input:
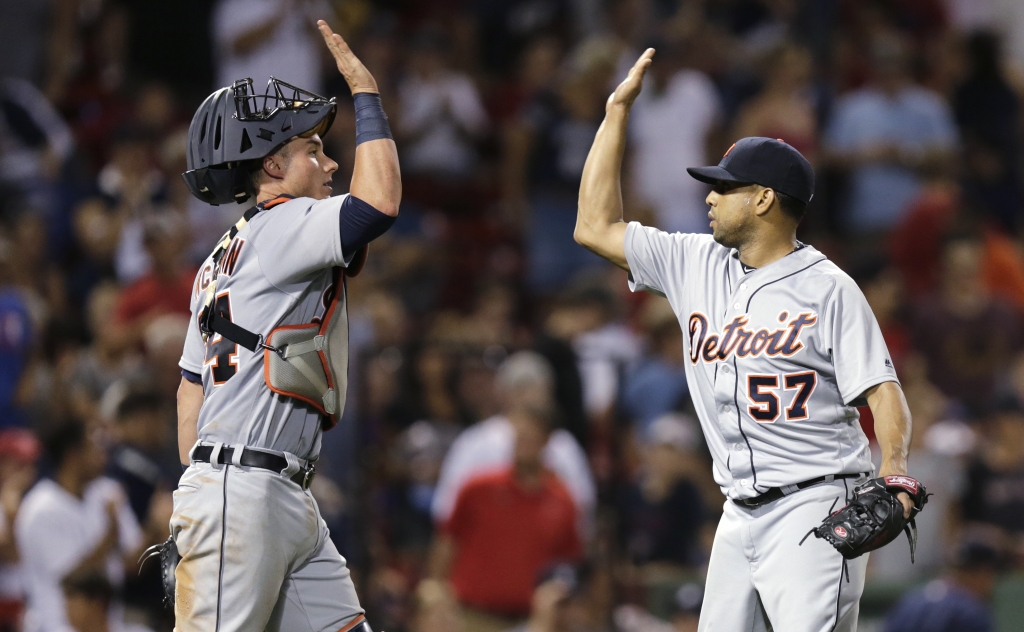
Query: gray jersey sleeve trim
{"points": [[858, 398], [637, 282]]}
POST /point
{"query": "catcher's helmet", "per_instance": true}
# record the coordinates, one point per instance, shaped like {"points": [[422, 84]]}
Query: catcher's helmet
{"points": [[233, 127]]}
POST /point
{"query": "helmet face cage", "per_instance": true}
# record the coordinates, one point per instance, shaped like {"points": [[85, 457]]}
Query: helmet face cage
{"points": [[278, 96]]}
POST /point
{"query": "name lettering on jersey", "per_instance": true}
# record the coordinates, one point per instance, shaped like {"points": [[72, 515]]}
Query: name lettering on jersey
{"points": [[228, 263], [737, 339], [230, 260], [203, 280]]}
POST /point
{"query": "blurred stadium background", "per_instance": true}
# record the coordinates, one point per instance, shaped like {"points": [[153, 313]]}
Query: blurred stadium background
{"points": [[478, 300]]}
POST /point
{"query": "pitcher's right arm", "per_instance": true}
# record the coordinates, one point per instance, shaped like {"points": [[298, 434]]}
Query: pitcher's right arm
{"points": [[599, 225]]}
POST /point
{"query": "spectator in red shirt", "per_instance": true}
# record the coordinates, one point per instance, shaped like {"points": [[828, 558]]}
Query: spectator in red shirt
{"points": [[166, 288], [507, 527]]}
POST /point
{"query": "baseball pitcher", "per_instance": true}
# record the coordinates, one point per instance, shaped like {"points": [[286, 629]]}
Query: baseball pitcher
{"points": [[264, 368], [782, 347]]}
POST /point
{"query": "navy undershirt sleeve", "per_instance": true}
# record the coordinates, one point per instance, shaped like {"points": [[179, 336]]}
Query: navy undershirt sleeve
{"points": [[361, 224], [195, 378]]}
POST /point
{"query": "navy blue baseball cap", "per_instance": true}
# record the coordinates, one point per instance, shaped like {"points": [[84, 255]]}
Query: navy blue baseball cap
{"points": [[769, 162]]}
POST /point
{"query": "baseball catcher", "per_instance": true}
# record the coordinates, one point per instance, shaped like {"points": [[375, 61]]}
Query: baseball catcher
{"points": [[264, 368]]}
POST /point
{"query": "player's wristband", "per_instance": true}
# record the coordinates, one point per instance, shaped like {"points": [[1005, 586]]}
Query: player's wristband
{"points": [[371, 121]]}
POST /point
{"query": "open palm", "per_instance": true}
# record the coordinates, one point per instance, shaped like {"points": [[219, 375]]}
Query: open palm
{"points": [[630, 87]]}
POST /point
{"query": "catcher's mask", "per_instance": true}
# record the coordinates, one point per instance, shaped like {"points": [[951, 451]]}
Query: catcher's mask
{"points": [[235, 126]]}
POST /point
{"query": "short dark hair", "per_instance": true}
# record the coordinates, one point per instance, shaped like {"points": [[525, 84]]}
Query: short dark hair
{"points": [[790, 205], [91, 585], [62, 438]]}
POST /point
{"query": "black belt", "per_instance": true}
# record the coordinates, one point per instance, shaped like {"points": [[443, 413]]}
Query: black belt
{"points": [[255, 458], [776, 493]]}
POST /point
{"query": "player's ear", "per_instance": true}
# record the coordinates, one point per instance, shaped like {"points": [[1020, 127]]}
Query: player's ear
{"points": [[273, 166], [763, 200]]}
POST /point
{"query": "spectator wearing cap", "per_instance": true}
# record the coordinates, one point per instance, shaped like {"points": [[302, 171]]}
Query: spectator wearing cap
{"points": [[88, 597], [489, 445], [77, 521], [662, 513], [957, 602], [506, 527], [888, 136], [19, 451]]}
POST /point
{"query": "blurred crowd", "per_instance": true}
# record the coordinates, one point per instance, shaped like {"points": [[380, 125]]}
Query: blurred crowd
{"points": [[519, 451]]}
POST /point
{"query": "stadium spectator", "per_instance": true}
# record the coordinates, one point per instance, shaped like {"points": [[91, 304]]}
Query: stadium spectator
{"points": [[19, 451], [656, 384], [958, 602], [524, 378], [436, 609], [544, 154], [962, 363], [887, 135], [35, 143], [661, 515], [675, 122], [77, 521], [441, 116], [788, 106], [261, 39], [988, 111], [933, 457], [563, 602], [165, 288], [994, 490], [519, 519], [93, 369], [88, 596], [136, 462]]}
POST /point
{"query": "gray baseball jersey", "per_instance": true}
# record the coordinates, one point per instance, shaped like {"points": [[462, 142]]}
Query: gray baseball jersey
{"points": [[277, 271], [779, 357]]}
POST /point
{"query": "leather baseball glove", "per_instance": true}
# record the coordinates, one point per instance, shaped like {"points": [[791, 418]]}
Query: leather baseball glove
{"points": [[874, 517], [167, 553]]}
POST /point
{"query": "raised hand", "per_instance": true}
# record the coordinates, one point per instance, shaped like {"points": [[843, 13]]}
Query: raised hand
{"points": [[355, 73], [630, 87]]}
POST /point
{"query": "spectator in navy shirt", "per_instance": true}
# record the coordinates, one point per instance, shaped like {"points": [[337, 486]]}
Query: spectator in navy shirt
{"points": [[958, 602], [662, 513]]}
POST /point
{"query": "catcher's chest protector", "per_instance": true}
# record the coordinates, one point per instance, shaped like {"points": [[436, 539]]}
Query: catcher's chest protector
{"points": [[310, 362]]}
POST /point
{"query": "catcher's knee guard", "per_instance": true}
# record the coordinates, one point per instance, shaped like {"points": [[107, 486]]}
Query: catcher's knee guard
{"points": [[362, 626]]}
